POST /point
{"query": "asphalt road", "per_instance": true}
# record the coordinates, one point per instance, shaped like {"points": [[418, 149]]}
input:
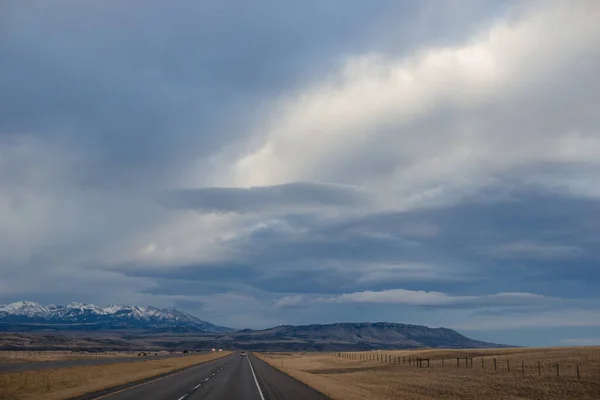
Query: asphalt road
{"points": [[35, 366], [233, 377]]}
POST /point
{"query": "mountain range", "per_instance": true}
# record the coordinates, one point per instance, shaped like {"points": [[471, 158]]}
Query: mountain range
{"points": [[28, 316], [125, 327]]}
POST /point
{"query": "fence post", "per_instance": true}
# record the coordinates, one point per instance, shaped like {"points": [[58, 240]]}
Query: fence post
{"points": [[442, 361], [404, 360], [495, 368], [482, 363], [539, 369], [523, 367], [457, 362], [466, 362], [508, 365]]}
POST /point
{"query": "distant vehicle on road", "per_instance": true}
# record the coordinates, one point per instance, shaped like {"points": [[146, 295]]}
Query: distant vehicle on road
{"points": [[213, 349], [243, 353], [220, 349]]}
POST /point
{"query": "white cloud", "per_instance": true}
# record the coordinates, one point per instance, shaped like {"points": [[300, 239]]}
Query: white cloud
{"points": [[290, 301], [444, 119], [424, 298]]}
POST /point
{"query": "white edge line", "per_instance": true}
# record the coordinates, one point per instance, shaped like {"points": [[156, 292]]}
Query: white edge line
{"points": [[182, 397], [197, 386], [256, 380]]}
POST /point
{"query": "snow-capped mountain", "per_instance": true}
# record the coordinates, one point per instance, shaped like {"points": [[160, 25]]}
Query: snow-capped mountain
{"points": [[93, 317]]}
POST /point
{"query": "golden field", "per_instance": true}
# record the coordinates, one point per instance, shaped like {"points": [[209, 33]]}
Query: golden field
{"points": [[349, 378], [23, 356], [61, 383]]}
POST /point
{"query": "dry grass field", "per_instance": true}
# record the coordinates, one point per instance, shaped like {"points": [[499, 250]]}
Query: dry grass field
{"points": [[359, 376], [61, 383], [17, 356]]}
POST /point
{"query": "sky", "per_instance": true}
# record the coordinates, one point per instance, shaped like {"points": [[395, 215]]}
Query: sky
{"points": [[431, 162]]}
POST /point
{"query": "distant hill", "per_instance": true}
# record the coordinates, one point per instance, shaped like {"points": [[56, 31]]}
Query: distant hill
{"points": [[27, 316], [354, 336], [333, 337]]}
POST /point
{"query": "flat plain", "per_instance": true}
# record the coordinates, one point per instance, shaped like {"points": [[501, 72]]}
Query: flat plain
{"points": [[62, 383], [387, 375], [19, 357]]}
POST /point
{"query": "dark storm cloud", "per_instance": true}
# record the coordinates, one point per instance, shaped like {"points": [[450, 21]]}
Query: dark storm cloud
{"points": [[442, 249], [141, 87], [265, 198]]}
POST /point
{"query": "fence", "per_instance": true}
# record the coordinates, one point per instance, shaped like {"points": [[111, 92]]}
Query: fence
{"points": [[493, 364]]}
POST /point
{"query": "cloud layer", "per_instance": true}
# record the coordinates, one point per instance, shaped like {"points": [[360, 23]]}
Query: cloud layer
{"points": [[421, 161], [285, 197]]}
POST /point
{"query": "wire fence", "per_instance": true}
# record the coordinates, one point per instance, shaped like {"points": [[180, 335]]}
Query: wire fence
{"points": [[488, 364]]}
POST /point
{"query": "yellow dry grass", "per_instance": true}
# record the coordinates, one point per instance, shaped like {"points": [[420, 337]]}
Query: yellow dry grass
{"points": [[61, 383], [13, 356], [367, 378]]}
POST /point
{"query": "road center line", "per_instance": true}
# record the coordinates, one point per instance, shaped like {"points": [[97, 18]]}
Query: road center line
{"points": [[255, 380], [200, 384], [169, 375]]}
